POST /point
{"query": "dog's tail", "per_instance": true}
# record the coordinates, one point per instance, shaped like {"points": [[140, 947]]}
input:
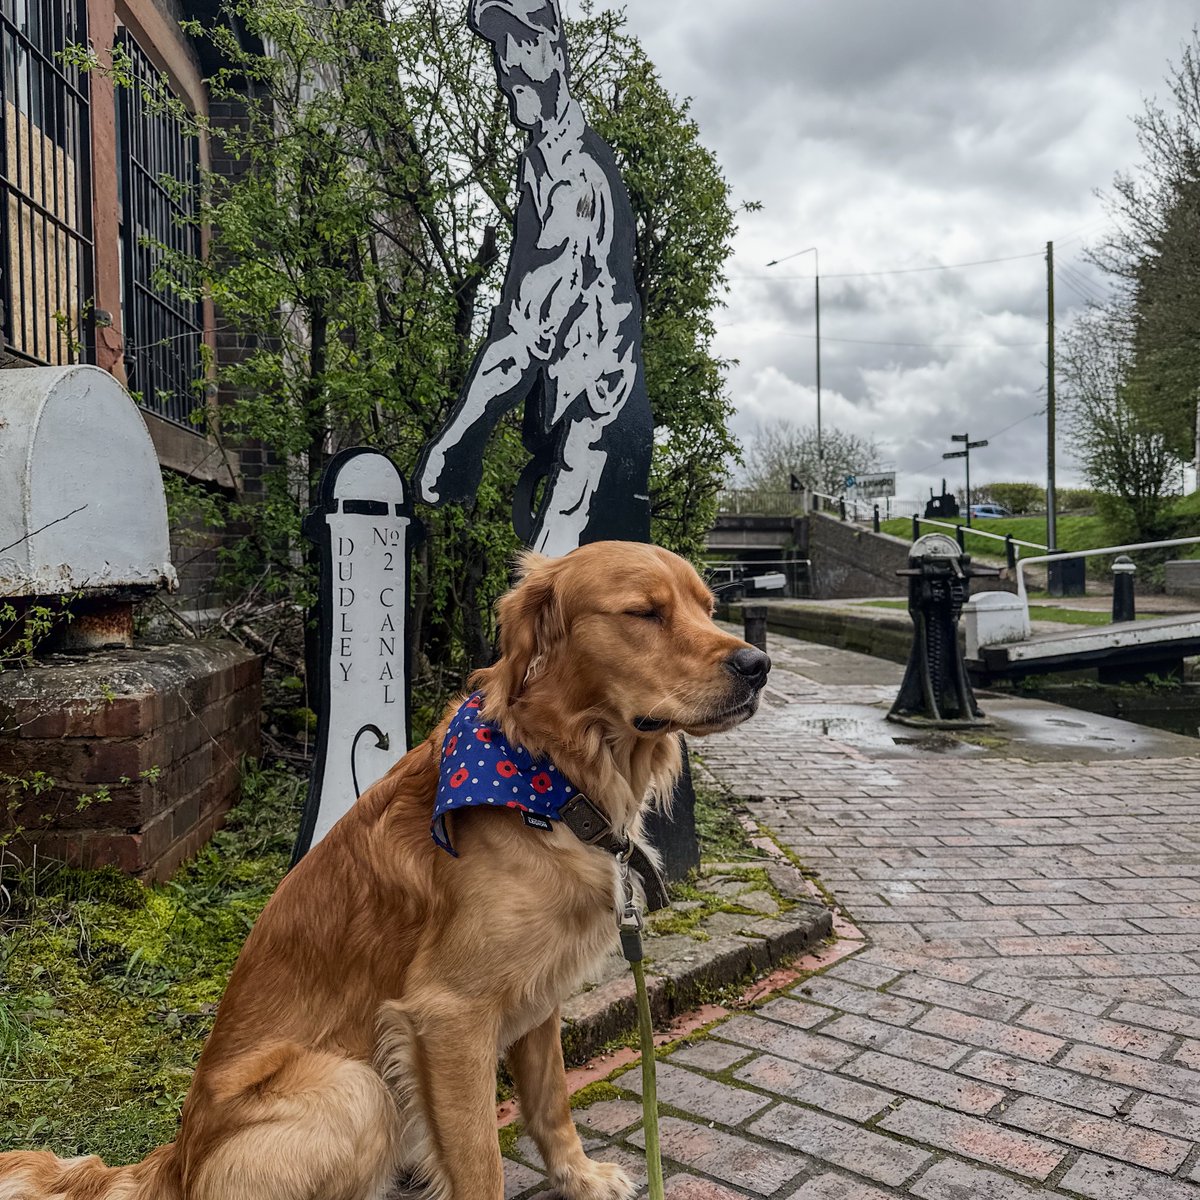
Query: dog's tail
{"points": [[39, 1175]]}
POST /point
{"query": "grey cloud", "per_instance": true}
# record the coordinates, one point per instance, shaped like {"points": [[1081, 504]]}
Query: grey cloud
{"points": [[904, 134]]}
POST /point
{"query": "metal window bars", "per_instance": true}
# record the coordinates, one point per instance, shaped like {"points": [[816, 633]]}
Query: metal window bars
{"points": [[45, 186], [159, 181]]}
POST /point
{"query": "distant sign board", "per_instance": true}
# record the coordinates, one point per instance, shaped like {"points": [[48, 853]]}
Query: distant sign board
{"points": [[875, 486]]}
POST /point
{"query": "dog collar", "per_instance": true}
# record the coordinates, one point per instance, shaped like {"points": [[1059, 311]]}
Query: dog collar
{"points": [[480, 768]]}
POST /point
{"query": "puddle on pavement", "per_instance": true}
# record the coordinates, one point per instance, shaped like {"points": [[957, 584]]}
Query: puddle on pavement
{"points": [[866, 726], [1019, 729]]}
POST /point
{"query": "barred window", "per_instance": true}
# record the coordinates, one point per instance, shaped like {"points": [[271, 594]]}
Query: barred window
{"points": [[160, 171], [45, 185]]}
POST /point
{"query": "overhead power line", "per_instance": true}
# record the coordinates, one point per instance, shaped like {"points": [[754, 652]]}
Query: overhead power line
{"points": [[920, 345], [1019, 421], [980, 262], [1086, 297], [1080, 283]]}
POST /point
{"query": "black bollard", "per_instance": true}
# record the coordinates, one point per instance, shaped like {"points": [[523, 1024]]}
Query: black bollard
{"points": [[875, 523], [842, 507], [754, 618], [1010, 552], [1123, 605], [916, 527]]}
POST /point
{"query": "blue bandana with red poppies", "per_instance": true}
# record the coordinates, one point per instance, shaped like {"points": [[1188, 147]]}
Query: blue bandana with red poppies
{"points": [[479, 769]]}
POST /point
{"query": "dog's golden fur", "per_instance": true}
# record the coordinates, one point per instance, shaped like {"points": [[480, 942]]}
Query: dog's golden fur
{"points": [[359, 1035]]}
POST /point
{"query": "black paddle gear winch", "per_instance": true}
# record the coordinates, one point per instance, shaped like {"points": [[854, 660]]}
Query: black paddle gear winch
{"points": [[936, 692]]}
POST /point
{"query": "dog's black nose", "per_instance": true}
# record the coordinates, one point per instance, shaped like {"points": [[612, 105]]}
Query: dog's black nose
{"points": [[753, 665]]}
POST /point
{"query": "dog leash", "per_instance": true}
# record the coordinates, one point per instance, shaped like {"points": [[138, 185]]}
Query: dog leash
{"points": [[590, 825], [631, 946]]}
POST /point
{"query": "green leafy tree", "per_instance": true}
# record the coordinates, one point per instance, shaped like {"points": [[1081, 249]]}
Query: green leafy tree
{"points": [[357, 253], [1018, 498], [1154, 250]]}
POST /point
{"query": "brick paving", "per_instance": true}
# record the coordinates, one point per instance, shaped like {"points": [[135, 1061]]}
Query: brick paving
{"points": [[1024, 1017]]}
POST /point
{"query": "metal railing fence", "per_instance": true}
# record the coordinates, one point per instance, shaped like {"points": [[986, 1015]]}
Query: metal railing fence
{"points": [[759, 503]]}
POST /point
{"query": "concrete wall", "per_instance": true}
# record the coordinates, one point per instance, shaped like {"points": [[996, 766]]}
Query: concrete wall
{"points": [[880, 633], [850, 561]]}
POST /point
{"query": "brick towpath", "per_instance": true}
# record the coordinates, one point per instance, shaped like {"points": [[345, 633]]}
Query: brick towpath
{"points": [[1024, 1019]]}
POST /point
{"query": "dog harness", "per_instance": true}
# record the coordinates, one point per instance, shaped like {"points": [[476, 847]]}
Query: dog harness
{"points": [[480, 768]]}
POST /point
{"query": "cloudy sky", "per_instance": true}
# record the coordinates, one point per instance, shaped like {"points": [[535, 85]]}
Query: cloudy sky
{"points": [[897, 134]]}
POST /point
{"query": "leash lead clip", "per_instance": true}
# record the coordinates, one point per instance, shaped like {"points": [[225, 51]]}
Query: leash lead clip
{"points": [[631, 923]]}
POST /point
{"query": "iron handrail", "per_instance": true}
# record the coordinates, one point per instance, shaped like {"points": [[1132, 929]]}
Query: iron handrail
{"points": [[851, 504], [996, 537], [1045, 558]]}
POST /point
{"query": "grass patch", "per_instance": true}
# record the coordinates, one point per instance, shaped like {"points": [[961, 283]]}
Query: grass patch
{"points": [[1074, 533], [1037, 612], [704, 903], [720, 833], [108, 988], [594, 1093]]}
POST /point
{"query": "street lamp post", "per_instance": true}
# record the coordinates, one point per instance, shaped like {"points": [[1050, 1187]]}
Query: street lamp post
{"points": [[817, 308]]}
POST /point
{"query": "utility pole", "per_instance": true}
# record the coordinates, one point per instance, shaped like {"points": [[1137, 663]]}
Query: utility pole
{"points": [[1051, 493], [817, 277], [968, 446]]}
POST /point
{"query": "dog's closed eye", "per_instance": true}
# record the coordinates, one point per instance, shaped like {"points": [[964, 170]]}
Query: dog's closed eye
{"points": [[644, 614]]}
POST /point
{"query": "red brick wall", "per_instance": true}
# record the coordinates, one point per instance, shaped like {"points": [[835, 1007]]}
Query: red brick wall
{"points": [[144, 748]]}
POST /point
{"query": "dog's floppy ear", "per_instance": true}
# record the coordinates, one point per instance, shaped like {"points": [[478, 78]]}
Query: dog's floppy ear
{"points": [[531, 621]]}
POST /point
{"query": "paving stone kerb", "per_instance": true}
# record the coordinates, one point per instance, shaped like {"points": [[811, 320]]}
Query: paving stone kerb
{"points": [[1024, 1019], [685, 971]]}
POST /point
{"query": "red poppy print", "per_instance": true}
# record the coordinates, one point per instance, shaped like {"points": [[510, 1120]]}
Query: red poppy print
{"points": [[485, 734], [506, 768], [514, 804], [452, 745], [474, 702], [541, 783], [459, 777]]}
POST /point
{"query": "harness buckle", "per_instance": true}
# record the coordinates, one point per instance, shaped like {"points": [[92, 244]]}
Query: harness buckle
{"points": [[585, 820]]}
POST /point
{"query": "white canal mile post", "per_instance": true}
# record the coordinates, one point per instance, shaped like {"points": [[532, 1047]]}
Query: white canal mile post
{"points": [[363, 527]]}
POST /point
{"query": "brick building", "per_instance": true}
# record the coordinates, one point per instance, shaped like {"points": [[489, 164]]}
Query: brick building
{"points": [[142, 746], [82, 169]]}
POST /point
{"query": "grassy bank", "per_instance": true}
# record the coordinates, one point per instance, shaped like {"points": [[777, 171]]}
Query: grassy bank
{"points": [[108, 988], [1037, 612], [1074, 533]]}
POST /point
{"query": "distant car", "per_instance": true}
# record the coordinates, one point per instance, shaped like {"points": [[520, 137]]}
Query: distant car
{"points": [[982, 511]]}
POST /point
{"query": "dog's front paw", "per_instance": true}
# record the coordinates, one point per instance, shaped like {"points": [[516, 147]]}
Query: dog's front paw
{"points": [[594, 1181]]}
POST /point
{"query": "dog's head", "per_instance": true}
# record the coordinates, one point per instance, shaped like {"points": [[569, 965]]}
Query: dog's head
{"points": [[623, 632]]}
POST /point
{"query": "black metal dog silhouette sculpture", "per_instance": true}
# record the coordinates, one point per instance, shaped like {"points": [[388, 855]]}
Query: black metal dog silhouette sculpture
{"points": [[565, 338]]}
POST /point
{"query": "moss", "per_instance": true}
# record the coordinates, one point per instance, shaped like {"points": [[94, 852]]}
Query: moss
{"points": [[594, 1093], [986, 741], [108, 988], [707, 902]]}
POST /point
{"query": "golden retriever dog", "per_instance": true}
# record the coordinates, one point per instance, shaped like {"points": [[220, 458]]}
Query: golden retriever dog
{"points": [[359, 1037]]}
